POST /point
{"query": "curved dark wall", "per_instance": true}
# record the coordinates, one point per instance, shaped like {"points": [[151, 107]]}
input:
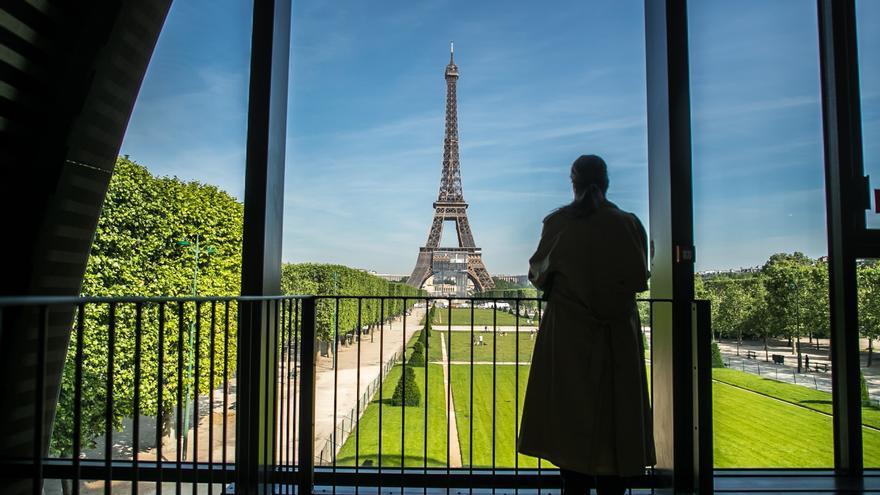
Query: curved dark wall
{"points": [[69, 76]]}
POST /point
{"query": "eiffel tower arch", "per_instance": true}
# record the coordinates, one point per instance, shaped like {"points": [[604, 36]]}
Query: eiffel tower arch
{"points": [[451, 264]]}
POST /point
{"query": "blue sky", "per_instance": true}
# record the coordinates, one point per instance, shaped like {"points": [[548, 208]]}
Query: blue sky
{"points": [[538, 87]]}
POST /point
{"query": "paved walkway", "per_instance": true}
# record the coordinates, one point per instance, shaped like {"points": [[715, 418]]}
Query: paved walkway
{"points": [[454, 446], [763, 365]]}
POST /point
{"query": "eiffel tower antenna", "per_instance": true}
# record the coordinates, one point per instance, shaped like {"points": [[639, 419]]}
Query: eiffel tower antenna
{"points": [[464, 262]]}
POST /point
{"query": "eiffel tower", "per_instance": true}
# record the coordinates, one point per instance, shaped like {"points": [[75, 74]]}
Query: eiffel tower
{"points": [[465, 261]]}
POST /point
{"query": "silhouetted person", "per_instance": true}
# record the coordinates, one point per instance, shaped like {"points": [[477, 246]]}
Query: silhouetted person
{"points": [[586, 408]]}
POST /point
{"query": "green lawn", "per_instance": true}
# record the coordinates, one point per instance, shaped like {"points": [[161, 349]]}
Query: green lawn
{"points": [[391, 425], [787, 429], [505, 430], [482, 317], [804, 396], [460, 346], [751, 430]]}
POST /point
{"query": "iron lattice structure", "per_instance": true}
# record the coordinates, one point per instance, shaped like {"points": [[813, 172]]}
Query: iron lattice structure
{"points": [[451, 206]]}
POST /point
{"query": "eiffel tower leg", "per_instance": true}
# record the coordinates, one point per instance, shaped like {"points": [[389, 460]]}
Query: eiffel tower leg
{"points": [[480, 274], [422, 270]]}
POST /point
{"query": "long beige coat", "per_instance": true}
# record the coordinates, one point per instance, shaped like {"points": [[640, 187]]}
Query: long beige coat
{"points": [[587, 406]]}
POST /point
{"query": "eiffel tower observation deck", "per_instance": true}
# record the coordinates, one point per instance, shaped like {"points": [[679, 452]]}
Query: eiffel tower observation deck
{"points": [[451, 267]]}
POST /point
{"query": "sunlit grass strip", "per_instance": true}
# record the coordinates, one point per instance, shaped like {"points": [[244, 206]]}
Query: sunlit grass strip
{"points": [[391, 426], [461, 344], [801, 395], [505, 434], [482, 318], [754, 431]]}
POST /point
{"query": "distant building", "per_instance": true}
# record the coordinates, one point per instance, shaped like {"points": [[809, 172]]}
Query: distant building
{"points": [[514, 279]]}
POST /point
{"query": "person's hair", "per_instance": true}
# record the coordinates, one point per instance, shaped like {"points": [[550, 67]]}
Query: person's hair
{"points": [[589, 177]]}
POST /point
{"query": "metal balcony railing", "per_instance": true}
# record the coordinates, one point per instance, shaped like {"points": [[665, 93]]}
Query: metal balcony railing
{"points": [[148, 397]]}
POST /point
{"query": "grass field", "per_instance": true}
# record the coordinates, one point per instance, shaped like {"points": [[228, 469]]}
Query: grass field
{"points": [[803, 396], [391, 425], [758, 422], [505, 415], [460, 346], [791, 428], [482, 318]]}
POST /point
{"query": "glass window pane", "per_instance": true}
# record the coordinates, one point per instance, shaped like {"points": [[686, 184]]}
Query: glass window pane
{"points": [[868, 33], [171, 226], [367, 121], [760, 229]]}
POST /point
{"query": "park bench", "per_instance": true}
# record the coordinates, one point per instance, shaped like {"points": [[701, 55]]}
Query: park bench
{"points": [[750, 355], [778, 359]]}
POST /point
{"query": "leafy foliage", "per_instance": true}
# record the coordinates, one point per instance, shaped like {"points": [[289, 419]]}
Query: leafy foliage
{"points": [[135, 252], [339, 280], [787, 297], [406, 393]]}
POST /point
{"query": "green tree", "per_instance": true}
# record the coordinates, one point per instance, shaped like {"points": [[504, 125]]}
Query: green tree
{"points": [[134, 252], [338, 280], [869, 304], [786, 280]]}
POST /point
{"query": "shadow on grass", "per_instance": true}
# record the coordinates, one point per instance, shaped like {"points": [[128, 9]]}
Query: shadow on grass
{"points": [[815, 402]]}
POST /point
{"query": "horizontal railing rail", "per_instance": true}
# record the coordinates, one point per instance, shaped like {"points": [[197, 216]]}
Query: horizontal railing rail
{"points": [[408, 391]]}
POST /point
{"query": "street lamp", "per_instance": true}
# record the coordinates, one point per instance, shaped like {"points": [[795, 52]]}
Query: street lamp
{"points": [[797, 322], [196, 249]]}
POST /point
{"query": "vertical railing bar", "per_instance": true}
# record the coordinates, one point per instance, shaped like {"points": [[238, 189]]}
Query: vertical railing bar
{"points": [[335, 384], [289, 438], [516, 397], [178, 426], [297, 359], [225, 390], [494, 381], [277, 327], [40, 398], [136, 414], [403, 406], [651, 349], [540, 470], [305, 475], [449, 388], [427, 392], [160, 385], [357, 425], [211, 381], [471, 408], [381, 380], [196, 353], [280, 421], [77, 396], [265, 310], [108, 411]]}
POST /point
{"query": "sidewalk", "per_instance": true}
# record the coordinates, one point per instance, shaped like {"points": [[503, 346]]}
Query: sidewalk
{"points": [[348, 387], [763, 365]]}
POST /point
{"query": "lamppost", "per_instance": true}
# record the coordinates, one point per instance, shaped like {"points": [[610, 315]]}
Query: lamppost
{"points": [[797, 322], [335, 319], [196, 250]]}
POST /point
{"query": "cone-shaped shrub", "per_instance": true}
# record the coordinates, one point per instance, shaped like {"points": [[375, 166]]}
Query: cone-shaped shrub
{"points": [[407, 384], [417, 358]]}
